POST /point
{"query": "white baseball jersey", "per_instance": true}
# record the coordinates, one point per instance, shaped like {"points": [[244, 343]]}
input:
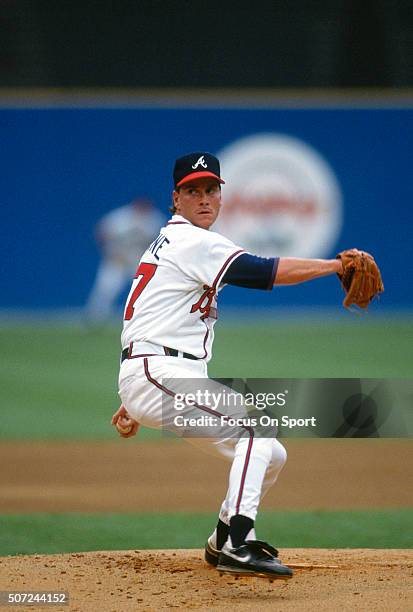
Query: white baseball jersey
{"points": [[125, 231], [173, 299]]}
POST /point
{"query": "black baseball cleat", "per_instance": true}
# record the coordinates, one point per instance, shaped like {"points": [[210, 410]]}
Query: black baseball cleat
{"points": [[254, 558], [211, 554]]}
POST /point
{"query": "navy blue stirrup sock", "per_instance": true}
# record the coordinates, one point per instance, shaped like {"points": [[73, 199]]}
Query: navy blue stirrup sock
{"points": [[239, 527], [222, 534]]}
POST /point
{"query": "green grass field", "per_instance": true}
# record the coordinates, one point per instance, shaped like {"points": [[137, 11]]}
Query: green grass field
{"points": [[61, 381], [53, 533]]}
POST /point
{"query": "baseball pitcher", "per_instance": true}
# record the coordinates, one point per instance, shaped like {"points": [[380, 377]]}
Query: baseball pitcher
{"points": [[168, 336]]}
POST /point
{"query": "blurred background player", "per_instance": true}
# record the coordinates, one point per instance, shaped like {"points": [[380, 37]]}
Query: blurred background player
{"points": [[122, 235]]}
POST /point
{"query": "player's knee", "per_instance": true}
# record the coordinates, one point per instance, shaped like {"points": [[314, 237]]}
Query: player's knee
{"points": [[279, 455], [262, 448]]}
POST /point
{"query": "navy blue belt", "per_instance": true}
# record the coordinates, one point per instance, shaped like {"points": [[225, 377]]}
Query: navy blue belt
{"points": [[170, 352]]}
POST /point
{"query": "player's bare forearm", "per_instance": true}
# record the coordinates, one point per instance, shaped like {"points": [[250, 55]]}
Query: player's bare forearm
{"points": [[295, 270]]}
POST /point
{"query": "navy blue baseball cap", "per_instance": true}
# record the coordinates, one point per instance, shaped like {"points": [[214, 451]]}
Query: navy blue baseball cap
{"points": [[194, 166]]}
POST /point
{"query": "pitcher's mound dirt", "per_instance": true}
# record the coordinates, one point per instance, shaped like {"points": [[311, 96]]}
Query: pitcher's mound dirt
{"points": [[377, 580]]}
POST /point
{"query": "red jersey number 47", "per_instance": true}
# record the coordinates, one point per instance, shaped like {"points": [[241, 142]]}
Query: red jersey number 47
{"points": [[144, 274]]}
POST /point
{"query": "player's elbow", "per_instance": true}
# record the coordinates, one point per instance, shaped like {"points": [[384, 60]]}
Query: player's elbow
{"points": [[283, 275]]}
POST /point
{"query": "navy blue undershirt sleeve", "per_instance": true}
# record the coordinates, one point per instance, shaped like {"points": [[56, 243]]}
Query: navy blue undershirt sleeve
{"points": [[252, 272]]}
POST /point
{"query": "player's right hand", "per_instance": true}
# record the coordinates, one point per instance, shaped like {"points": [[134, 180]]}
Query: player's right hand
{"points": [[125, 425]]}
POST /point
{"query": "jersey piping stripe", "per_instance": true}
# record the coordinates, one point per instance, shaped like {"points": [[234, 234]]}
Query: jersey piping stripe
{"points": [[244, 474], [223, 268], [178, 223], [214, 286], [205, 341], [215, 412]]}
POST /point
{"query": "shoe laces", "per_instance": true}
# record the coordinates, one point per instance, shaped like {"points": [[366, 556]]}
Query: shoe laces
{"points": [[258, 546]]}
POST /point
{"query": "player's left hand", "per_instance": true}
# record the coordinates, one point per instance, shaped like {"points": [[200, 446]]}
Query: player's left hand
{"points": [[125, 425], [360, 278]]}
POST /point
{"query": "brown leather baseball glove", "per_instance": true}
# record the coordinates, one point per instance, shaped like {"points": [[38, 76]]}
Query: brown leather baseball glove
{"points": [[361, 278]]}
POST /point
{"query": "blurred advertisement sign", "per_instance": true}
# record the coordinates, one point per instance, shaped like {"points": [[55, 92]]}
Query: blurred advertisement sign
{"points": [[281, 197]]}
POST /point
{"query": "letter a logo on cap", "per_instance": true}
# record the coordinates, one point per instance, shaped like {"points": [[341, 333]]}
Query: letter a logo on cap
{"points": [[200, 162]]}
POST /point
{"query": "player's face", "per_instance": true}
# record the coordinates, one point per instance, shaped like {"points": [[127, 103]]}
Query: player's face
{"points": [[199, 201]]}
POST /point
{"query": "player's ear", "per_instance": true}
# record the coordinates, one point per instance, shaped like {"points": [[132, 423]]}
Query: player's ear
{"points": [[175, 200]]}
